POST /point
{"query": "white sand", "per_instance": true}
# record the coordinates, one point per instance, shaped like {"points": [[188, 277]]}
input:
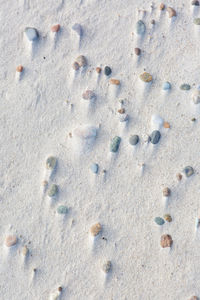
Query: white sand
{"points": [[36, 121]]}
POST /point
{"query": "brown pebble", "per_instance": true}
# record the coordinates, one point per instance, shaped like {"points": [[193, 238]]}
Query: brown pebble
{"points": [[172, 12], [25, 250], [95, 229], [153, 22], [166, 241], [19, 68], [81, 60], [121, 111], [162, 6], [114, 81], [75, 66], [10, 240], [193, 119], [166, 125], [98, 70], [179, 176], [167, 218], [166, 192], [70, 134], [137, 51], [55, 28], [60, 289]]}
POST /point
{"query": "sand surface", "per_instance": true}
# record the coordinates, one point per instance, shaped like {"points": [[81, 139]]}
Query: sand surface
{"points": [[41, 108]]}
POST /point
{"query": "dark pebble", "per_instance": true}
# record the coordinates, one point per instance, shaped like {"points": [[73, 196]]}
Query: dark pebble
{"points": [[107, 71], [189, 171], [196, 3], [155, 137], [137, 51], [134, 139]]}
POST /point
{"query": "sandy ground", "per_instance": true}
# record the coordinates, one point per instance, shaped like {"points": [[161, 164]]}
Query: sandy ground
{"points": [[40, 110]]}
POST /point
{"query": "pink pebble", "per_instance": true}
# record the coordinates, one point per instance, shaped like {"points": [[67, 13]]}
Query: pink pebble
{"points": [[55, 28], [10, 240]]}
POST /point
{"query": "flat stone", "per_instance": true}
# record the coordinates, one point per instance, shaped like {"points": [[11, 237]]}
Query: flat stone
{"points": [[31, 34], [62, 210], [189, 171], [53, 190], [140, 27], [134, 139], [146, 77], [159, 221], [155, 137], [114, 146], [78, 29], [166, 86], [166, 241], [94, 168], [95, 229], [114, 81], [185, 87], [10, 241]]}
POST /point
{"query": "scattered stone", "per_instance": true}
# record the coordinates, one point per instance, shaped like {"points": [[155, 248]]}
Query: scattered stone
{"points": [[121, 111], [25, 251], [60, 289], [10, 241], [196, 96], [146, 77], [51, 162], [94, 168], [134, 139], [31, 34], [196, 21], [185, 87], [179, 176], [166, 241], [78, 28], [114, 81], [62, 210], [107, 71], [189, 171], [166, 125], [107, 267], [140, 27], [172, 12], [153, 22], [162, 6], [19, 68], [137, 51], [53, 190], [155, 137], [193, 119], [88, 95], [167, 218], [166, 86], [114, 146], [95, 229], [98, 70], [159, 221], [82, 61], [166, 192], [195, 2], [55, 28]]}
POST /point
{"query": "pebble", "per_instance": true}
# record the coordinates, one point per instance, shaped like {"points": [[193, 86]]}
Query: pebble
{"points": [[107, 71], [62, 210], [88, 95], [196, 96], [114, 81], [114, 146], [78, 28], [55, 28], [162, 6], [167, 218], [53, 190], [121, 110], [166, 192], [146, 77], [179, 176], [185, 86], [166, 125], [137, 51], [51, 162], [95, 229], [195, 2], [166, 86], [19, 68], [31, 34], [159, 221], [75, 66], [153, 22], [166, 241], [82, 61], [156, 121], [155, 137], [140, 27], [189, 171], [10, 241], [94, 168], [196, 21], [134, 139], [172, 12], [107, 267], [98, 70], [25, 251], [194, 298]]}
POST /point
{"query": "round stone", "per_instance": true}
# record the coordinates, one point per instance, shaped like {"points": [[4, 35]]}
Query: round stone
{"points": [[98, 70], [134, 139], [95, 229], [137, 51], [166, 192], [88, 95], [31, 34], [10, 241], [159, 221], [140, 27], [146, 77], [114, 146], [94, 168], [155, 137], [62, 210], [185, 86], [107, 71], [55, 28], [19, 68], [53, 190], [196, 96], [166, 241], [106, 267], [166, 86], [121, 110], [51, 162], [82, 61], [189, 171], [167, 218]]}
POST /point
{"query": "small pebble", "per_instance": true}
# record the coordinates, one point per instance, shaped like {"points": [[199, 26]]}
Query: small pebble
{"points": [[166, 125], [193, 119], [25, 251], [62, 210], [60, 289], [114, 146], [82, 61], [98, 70], [166, 192], [162, 6], [95, 229], [155, 137], [196, 96], [75, 66], [78, 28], [195, 2], [167, 218], [134, 139], [107, 71], [94, 168], [179, 176], [55, 28], [172, 12], [166, 241], [137, 51], [146, 77], [53, 190], [185, 87], [196, 21], [114, 81], [153, 22], [189, 171], [121, 111], [51, 162], [194, 298], [19, 68], [88, 95], [31, 34], [107, 267], [166, 86], [159, 221], [10, 241], [140, 27]]}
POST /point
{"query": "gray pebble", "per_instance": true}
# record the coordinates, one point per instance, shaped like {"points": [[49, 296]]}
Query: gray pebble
{"points": [[140, 27], [196, 21], [82, 61], [185, 87], [159, 221], [155, 137], [31, 34], [51, 162], [94, 168], [107, 266], [189, 171], [53, 190], [134, 139], [114, 146], [62, 210]]}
